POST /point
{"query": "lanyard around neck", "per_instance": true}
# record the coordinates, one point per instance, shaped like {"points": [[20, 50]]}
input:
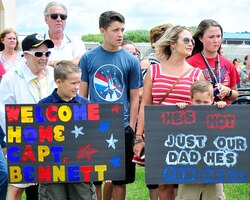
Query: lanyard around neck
{"points": [[214, 75]]}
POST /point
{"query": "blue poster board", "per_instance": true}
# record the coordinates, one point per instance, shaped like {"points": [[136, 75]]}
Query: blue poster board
{"points": [[199, 144]]}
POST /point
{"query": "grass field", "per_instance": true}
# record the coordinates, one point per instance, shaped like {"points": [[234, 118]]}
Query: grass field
{"points": [[138, 189]]}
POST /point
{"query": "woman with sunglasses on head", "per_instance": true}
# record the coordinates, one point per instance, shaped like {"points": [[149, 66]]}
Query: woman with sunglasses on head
{"points": [[66, 47], [171, 51], [27, 83], [216, 68]]}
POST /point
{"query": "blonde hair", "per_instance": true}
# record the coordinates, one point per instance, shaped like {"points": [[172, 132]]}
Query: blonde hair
{"points": [[171, 35], [157, 32], [64, 68], [201, 86]]}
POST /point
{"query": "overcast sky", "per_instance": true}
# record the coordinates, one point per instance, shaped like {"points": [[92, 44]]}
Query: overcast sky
{"points": [[233, 15]]}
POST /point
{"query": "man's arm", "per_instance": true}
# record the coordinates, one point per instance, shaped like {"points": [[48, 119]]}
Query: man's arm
{"points": [[134, 106], [84, 89]]}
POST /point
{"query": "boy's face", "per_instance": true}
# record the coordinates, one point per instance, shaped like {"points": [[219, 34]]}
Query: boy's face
{"points": [[68, 88], [202, 99], [113, 35]]}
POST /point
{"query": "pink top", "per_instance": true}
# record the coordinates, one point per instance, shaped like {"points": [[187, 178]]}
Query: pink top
{"points": [[2, 70], [162, 83]]}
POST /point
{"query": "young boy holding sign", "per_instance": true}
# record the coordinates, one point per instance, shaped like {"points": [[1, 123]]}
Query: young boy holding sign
{"points": [[67, 76], [201, 94]]}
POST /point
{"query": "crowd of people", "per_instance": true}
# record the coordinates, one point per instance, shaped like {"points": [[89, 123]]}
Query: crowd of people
{"points": [[54, 67]]}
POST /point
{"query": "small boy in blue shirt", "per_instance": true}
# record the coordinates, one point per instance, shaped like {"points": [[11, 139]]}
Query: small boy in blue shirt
{"points": [[67, 76]]}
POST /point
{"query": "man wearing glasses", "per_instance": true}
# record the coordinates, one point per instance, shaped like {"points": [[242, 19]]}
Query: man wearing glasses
{"points": [[27, 84], [66, 48]]}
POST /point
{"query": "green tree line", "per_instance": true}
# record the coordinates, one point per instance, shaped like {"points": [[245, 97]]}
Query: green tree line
{"points": [[132, 35]]}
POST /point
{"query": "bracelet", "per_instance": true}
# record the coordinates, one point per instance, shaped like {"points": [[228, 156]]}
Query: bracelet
{"points": [[137, 141], [138, 135], [230, 93]]}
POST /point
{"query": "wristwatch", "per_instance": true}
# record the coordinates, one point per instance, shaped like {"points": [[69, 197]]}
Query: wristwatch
{"points": [[230, 93]]}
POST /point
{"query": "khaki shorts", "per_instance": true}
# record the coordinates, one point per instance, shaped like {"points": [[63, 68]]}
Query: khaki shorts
{"points": [[195, 191], [61, 191]]}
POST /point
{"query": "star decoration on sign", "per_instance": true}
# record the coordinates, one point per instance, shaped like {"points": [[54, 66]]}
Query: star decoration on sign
{"points": [[115, 161], [86, 152], [104, 126], [77, 131], [112, 141], [116, 108]]}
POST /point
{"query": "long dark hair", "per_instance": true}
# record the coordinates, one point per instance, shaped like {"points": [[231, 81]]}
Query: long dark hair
{"points": [[202, 27]]}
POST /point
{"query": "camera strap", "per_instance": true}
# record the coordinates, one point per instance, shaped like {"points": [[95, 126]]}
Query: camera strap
{"points": [[214, 75]]}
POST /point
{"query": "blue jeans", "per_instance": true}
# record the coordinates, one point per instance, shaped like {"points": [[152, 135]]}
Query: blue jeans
{"points": [[3, 176]]}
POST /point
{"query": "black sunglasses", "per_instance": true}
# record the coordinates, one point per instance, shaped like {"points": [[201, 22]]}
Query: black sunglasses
{"points": [[186, 40], [55, 16], [38, 53]]}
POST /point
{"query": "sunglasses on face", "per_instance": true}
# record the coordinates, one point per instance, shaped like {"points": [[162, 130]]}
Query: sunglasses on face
{"points": [[39, 54], [186, 40], [55, 16]]}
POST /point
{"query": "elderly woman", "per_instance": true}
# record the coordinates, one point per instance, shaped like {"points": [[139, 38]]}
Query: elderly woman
{"points": [[28, 83], [171, 50]]}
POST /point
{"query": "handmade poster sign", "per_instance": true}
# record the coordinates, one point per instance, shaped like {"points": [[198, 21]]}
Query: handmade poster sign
{"points": [[200, 144], [65, 142]]}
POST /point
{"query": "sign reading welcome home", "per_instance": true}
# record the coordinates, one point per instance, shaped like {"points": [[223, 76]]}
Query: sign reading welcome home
{"points": [[65, 142], [199, 144]]}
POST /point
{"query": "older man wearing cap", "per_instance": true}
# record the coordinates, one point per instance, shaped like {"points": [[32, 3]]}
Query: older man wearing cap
{"points": [[27, 84]]}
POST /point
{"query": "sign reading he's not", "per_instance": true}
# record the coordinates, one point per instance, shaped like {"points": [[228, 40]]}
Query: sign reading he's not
{"points": [[199, 144]]}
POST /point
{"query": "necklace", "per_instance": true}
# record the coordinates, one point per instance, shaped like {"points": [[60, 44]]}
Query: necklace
{"points": [[214, 75]]}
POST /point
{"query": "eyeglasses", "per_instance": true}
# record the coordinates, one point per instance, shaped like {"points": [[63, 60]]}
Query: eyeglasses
{"points": [[186, 40], [55, 16], [38, 54]]}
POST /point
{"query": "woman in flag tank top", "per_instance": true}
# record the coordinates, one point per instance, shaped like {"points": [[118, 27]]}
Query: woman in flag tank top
{"points": [[173, 75]]}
